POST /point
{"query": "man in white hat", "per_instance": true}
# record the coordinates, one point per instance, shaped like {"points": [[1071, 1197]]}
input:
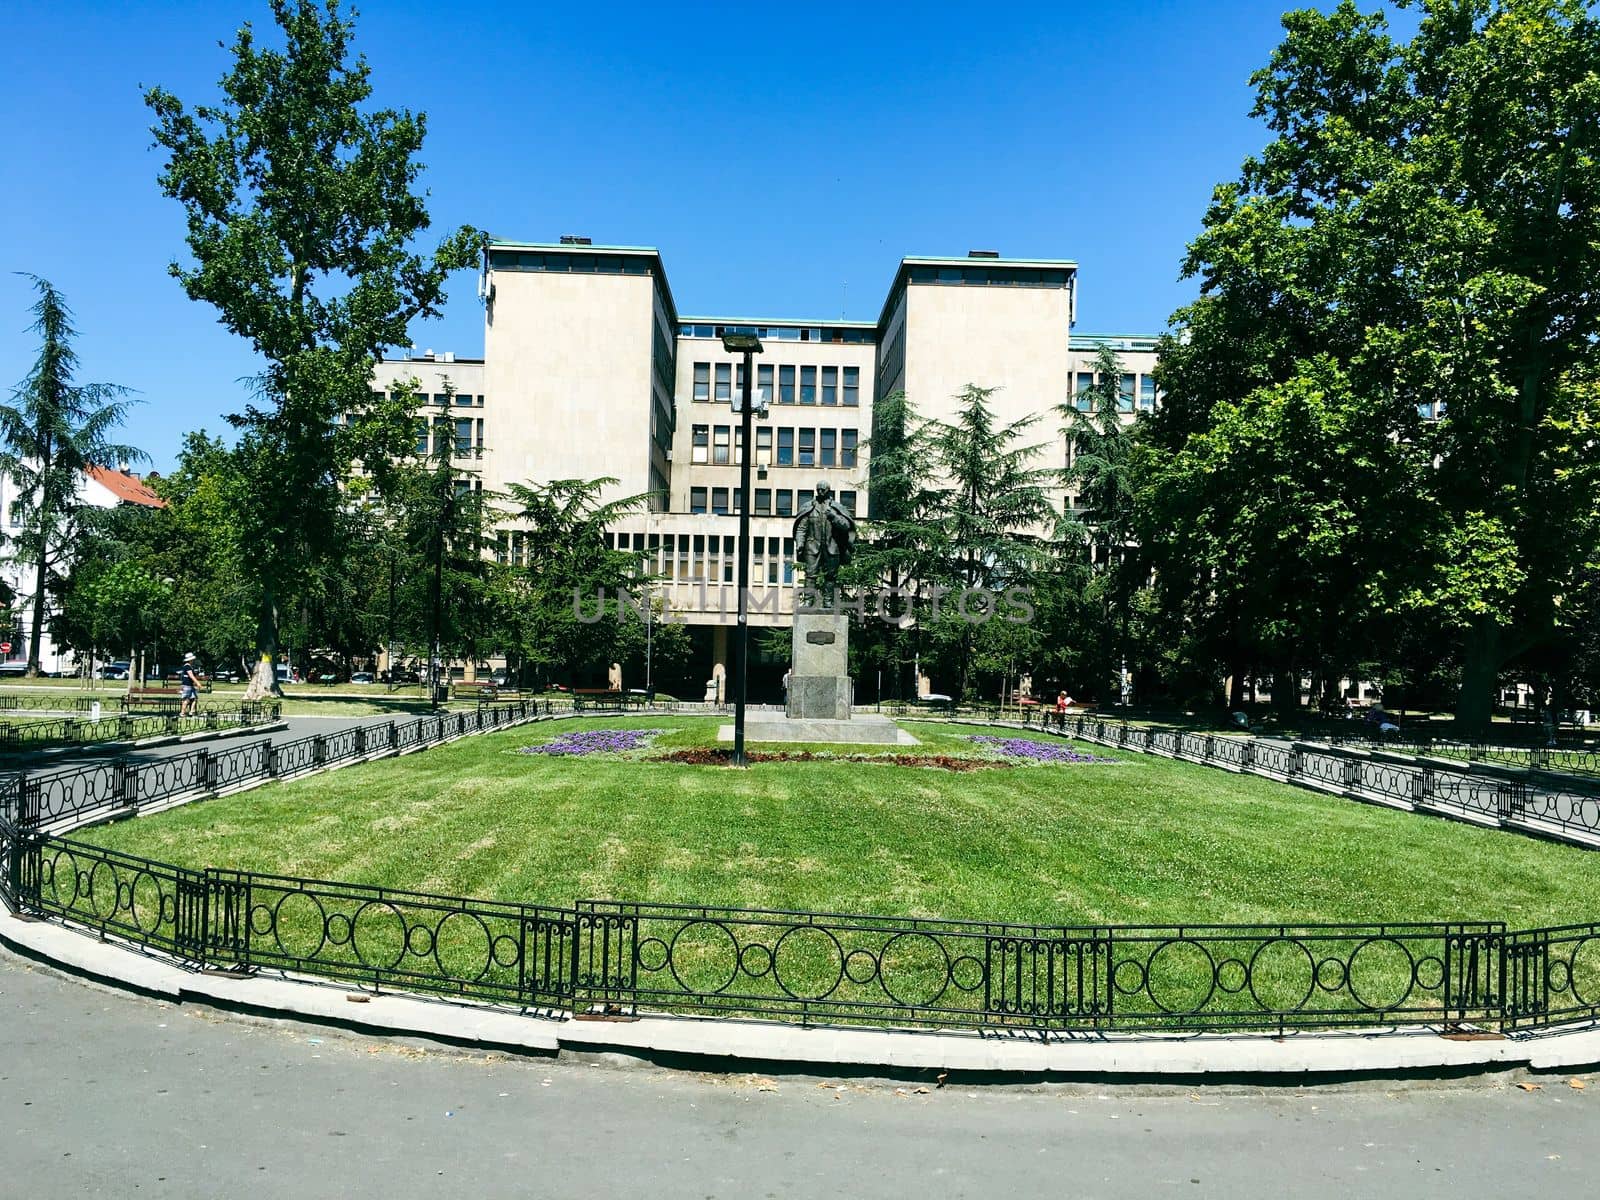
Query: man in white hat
{"points": [[188, 687]]}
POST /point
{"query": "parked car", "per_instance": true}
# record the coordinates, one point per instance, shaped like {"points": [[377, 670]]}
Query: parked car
{"points": [[362, 677], [116, 670], [13, 668], [498, 678], [226, 675]]}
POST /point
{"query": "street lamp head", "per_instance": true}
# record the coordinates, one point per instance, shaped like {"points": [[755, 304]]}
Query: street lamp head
{"points": [[741, 343]]}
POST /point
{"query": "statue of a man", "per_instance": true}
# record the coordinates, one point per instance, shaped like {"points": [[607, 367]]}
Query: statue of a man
{"points": [[824, 536]]}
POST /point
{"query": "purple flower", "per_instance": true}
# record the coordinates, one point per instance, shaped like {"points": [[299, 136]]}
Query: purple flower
{"points": [[1053, 752], [594, 741]]}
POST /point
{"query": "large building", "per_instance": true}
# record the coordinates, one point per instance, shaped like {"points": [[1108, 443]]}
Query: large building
{"points": [[98, 487], [591, 371]]}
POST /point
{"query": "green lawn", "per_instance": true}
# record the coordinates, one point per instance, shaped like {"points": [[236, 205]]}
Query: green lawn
{"points": [[1139, 840]]}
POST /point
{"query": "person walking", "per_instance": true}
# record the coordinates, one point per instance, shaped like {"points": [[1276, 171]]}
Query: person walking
{"points": [[188, 687]]}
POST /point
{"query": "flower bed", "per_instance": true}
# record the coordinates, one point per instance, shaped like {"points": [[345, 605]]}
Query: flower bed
{"points": [[702, 757], [584, 742], [1044, 752]]}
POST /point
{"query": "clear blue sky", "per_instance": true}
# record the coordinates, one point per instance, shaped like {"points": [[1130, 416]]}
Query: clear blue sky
{"points": [[782, 157]]}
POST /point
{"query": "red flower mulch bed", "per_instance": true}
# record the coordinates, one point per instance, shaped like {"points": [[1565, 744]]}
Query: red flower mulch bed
{"points": [[720, 758]]}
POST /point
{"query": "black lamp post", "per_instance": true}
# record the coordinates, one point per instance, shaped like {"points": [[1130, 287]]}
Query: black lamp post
{"points": [[749, 345]]}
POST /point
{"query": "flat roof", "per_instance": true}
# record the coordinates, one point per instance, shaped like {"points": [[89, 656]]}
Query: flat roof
{"points": [[964, 260], [572, 248], [1090, 341], [803, 322]]}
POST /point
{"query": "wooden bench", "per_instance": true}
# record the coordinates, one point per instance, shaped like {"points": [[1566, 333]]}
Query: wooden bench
{"points": [[476, 690], [158, 697], [598, 697]]}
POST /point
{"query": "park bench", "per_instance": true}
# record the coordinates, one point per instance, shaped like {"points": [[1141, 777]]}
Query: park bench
{"points": [[601, 698], [158, 697], [479, 690]]}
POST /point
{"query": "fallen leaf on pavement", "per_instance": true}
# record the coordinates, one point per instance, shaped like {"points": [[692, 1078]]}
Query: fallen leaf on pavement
{"points": [[1531, 1087], [1577, 1084]]}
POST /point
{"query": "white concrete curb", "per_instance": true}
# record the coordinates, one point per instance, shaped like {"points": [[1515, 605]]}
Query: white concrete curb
{"points": [[742, 1044]]}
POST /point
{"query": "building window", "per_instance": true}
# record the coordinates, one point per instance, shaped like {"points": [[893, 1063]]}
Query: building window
{"points": [[719, 446], [852, 386], [1147, 392], [702, 441], [802, 500], [441, 435], [464, 435], [463, 400], [719, 501], [763, 502], [480, 433], [808, 385], [825, 448], [847, 447], [422, 437], [724, 381], [830, 385], [1125, 394], [764, 446], [808, 448], [442, 399], [738, 445], [785, 385], [738, 499], [847, 501], [786, 447], [702, 381], [1082, 393], [764, 383], [785, 502]]}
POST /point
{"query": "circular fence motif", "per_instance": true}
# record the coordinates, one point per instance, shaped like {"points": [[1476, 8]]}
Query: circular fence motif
{"points": [[914, 970], [1381, 974], [1282, 975], [704, 957], [1583, 971], [1180, 976], [297, 922], [379, 935], [808, 963], [462, 946]]}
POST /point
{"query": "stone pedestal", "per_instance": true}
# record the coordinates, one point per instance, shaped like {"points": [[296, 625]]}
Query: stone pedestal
{"points": [[820, 688]]}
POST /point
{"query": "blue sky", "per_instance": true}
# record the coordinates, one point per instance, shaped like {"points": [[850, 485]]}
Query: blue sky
{"points": [[782, 157]]}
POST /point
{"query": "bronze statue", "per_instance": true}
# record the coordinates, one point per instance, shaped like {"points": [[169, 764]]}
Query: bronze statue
{"points": [[824, 537]]}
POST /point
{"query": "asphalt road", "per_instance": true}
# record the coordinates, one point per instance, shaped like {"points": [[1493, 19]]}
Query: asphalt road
{"points": [[106, 1094]]}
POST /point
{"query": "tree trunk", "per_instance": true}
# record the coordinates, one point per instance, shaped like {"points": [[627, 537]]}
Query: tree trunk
{"points": [[37, 631], [264, 679], [1480, 668]]}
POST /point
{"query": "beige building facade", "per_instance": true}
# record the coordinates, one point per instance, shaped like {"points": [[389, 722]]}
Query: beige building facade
{"points": [[590, 371]]}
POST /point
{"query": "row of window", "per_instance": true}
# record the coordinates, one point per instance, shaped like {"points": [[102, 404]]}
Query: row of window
{"points": [[583, 264], [835, 334], [992, 276], [450, 435], [699, 556], [1129, 387], [770, 502], [826, 385], [723, 445], [443, 399]]}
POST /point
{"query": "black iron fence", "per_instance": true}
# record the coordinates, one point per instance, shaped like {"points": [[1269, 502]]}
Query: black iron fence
{"points": [[1548, 804], [30, 734], [621, 959], [71, 796], [1558, 760], [605, 957]]}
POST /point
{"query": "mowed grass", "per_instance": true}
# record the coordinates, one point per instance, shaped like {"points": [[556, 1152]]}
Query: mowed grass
{"points": [[1140, 840]]}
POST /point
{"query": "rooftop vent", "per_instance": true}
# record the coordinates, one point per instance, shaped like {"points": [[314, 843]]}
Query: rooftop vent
{"points": [[983, 254], [572, 239]]}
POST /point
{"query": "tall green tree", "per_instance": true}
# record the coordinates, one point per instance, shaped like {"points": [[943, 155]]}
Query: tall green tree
{"points": [[53, 428], [570, 617], [1427, 216], [302, 207]]}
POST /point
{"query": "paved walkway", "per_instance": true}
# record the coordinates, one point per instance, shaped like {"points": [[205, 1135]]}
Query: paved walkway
{"points": [[107, 1094]]}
